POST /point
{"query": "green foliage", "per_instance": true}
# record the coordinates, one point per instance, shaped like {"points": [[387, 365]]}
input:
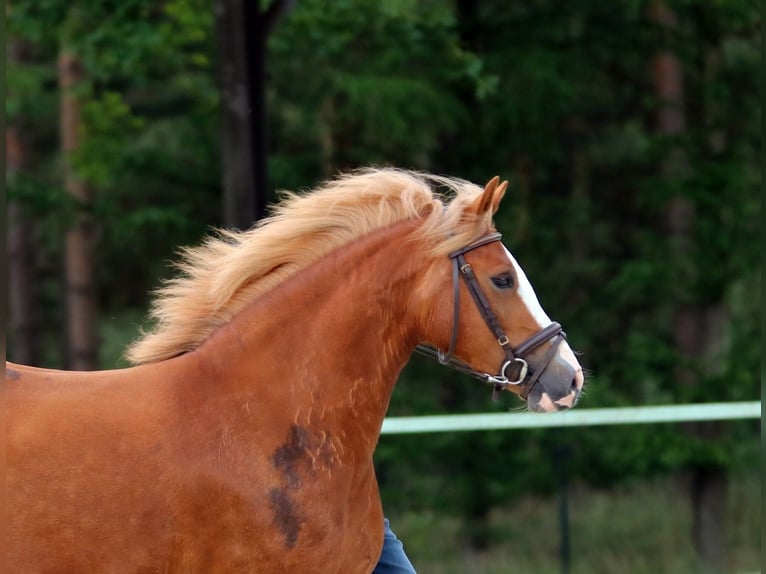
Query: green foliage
{"points": [[149, 131], [108, 125], [341, 93]]}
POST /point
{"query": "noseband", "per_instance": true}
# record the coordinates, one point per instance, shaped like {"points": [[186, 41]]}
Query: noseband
{"points": [[523, 377]]}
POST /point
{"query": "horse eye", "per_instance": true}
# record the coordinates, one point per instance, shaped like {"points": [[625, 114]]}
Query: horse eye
{"points": [[503, 281]]}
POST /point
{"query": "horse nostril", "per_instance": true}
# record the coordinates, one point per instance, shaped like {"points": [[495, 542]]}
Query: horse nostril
{"points": [[578, 381]]}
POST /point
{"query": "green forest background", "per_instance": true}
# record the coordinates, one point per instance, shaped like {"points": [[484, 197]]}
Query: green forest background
{"points": [[631, 134]]}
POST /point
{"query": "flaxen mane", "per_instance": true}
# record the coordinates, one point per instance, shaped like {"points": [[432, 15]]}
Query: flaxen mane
{"points": [[230, 270]]}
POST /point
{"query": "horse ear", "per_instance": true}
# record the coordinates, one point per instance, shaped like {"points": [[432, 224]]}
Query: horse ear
{"points": [[498, 196], [490, 197]]}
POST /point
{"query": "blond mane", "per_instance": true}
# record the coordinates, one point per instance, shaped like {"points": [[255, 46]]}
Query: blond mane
{"points": [[233, 268]]}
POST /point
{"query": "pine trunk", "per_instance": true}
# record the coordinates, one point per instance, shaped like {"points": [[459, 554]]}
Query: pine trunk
{"points": [[696, 328], [242, 29], [23, 316], [239, 182], [22, 298], [82, 343]]}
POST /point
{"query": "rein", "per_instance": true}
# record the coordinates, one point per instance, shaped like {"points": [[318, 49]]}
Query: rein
{"points": [[523, 377]]}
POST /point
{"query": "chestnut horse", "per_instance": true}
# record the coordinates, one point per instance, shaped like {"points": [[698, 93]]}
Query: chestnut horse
{"points": [[242, 439]]}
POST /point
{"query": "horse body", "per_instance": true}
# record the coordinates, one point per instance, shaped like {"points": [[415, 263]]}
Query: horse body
{"points": [[247, 445], [84, 462], [187, 462]]}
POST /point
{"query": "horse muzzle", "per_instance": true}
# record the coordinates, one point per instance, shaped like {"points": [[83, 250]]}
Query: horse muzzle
{"points": [[558, 387]]}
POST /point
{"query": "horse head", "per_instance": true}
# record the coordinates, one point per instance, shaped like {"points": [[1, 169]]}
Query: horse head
{"points": [[489, 323]]}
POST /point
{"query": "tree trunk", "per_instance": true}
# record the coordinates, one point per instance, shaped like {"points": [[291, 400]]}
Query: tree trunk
{"points": [[23, 314], [579, 216], [236, 143], [325, 121], [696, 328], [82, 348], [242, 29]]}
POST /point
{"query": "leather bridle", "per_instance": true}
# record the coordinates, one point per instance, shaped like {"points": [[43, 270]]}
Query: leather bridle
{"points": [[523, 376]]}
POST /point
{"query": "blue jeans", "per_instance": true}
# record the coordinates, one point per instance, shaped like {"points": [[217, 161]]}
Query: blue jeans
{"points": [[392, 559]]}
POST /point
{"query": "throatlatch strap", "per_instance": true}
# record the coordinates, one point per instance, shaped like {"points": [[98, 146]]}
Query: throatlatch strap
{"points": [[446, 359]]}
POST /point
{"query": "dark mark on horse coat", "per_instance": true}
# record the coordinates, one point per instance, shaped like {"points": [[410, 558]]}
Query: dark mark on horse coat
{"points": [[288, 457], [286, 516], [294, 459]]}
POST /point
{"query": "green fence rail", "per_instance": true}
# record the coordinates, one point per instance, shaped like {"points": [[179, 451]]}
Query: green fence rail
{"points": [[575, 417]]}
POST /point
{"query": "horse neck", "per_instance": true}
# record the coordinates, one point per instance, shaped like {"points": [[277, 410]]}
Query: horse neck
{"points": [[329, 343]]}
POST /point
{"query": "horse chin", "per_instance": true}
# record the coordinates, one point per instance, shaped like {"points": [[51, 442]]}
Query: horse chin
{"points": [[541, 404], [540, 401]]}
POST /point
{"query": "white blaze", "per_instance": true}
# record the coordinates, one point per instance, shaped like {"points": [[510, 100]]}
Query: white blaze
{"points": [[528, 297], [527, 294]]}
